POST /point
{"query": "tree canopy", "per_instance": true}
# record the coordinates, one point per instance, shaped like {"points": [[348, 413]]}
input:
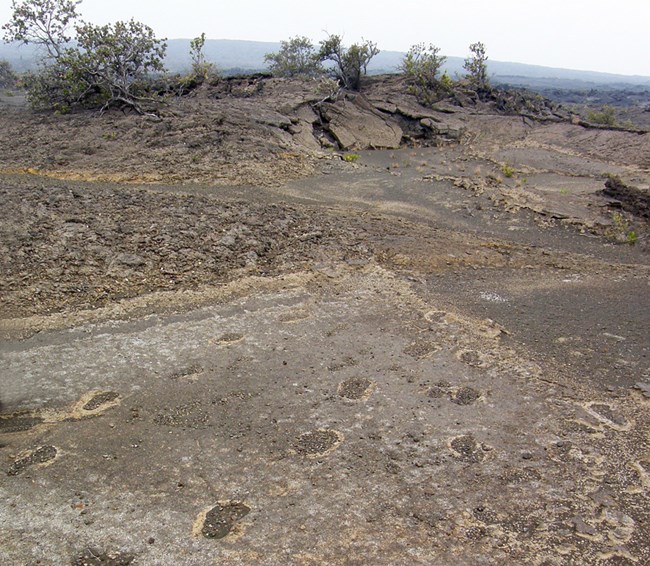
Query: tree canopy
{"points": [[349, 63], [476, 66], [103, 67], [421, 67], [297, 58], [42, 22]]}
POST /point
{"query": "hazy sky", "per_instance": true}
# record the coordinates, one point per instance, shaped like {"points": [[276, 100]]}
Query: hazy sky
{"points": [[597, 35]]}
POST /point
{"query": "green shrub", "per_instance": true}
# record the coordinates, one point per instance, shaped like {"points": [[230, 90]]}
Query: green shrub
{"points": [[620, 230], [296, 58], [508, 171], [8, 78], [476, 66], [446, 81], [421, 66], [606, 116]]}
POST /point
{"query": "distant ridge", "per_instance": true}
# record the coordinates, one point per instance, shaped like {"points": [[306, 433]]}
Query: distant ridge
{"points": [[242, 56]]}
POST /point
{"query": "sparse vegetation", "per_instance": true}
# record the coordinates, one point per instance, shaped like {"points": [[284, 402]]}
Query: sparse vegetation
{"points": [[350, 63], [507, 171], [201, 68], [446, 81], [107, 66], [620, 230], [476, 67], [351, 157], [605, 116], [421, 67], [297, 58], [328, 87], [8, 78]]}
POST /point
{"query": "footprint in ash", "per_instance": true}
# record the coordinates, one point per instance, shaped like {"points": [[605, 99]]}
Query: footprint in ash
{"points": [[220, 521]]}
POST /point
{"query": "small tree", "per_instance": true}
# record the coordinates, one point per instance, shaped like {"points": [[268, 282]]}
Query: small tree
{"points": [[349, 63], [106, 66], [113, 60], [296, 58], [421, 66], [476, 66], [42, 22], [201, 69]]}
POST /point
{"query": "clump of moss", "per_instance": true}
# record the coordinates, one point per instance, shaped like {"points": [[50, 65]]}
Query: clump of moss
{"points": [[351, 157]]}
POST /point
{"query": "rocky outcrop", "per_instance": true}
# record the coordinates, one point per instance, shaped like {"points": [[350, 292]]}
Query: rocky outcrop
{"points": [[263, 130], [630, 199], [355, 124], [302, 129]]}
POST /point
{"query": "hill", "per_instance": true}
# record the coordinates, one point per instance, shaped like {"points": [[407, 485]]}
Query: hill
{"points": [[239, 56]]}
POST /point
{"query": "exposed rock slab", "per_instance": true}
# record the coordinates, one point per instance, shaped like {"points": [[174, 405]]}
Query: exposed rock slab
{"points": [[357, 125]]}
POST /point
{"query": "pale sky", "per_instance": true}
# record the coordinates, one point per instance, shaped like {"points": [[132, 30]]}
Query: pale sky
{"points": [[595, 35]]}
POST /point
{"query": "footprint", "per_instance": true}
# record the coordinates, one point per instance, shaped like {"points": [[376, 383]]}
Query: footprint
{"points": [[228, 338], [356, 388], [512, 475], [439, 390], [318, 443], [92, 557], [347, 362], [187, 374], [465, 396], [642, 472], [92, 404], [436, 317], [421, 349], [189, 415], [473, 358], [607, 415], [100, 399], [581, 426], [458, 395], [19, 423], [295, 315], [466, 448], [41, 457], [219, 521]]}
